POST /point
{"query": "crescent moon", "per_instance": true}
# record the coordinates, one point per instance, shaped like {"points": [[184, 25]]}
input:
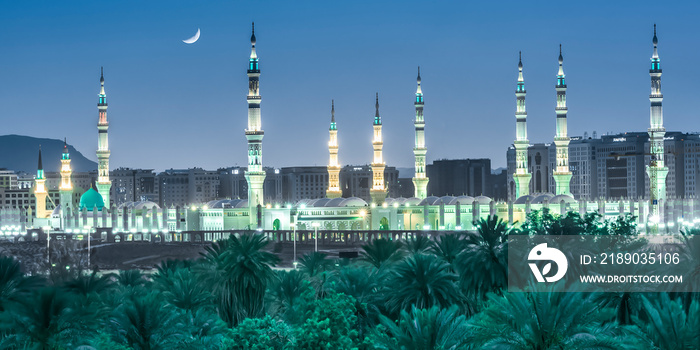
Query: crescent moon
{"points": [[193, 39]]}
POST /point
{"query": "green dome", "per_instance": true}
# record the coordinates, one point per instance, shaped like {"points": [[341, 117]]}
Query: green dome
{"points": [[90, 199]]}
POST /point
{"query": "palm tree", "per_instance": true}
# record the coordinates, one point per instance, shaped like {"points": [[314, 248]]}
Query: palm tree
{"points": [[14, 286], [87, 285], [239, 276], [418, 244], [286, 291], [483, 264], [365, 287], [423, 281], [184, 291], [314, 263], [669, 326], [425, 329], [550, 319], [131, 278], [381, 252], [146, 322], [448, 247], [50, 320]]}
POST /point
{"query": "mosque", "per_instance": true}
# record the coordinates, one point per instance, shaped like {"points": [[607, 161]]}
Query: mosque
{"points": [[421, 212]]}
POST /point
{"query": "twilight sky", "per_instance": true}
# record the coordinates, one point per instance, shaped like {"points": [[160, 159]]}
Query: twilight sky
{"points": [[178, 105]]}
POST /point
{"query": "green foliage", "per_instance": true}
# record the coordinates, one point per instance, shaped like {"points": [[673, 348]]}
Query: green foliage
{"points": [[550, 319], [418, 244], [327, 323], [14, 286], [381, 252], [424, 329], [483, 264], [314, 263], [669, 326], [422, 281], [260, 334], [238, 272]]}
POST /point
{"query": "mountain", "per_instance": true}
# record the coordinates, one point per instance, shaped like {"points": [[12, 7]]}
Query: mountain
{"points": [[21, 154]]}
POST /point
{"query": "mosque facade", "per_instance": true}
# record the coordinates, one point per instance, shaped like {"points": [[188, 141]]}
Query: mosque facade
{"points": [[655, 211]]}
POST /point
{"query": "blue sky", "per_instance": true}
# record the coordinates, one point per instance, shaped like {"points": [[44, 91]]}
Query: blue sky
{"points": [[178, 105]]}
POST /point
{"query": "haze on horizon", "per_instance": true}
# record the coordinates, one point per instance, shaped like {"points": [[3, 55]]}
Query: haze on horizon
{"points": [[174, 105]]}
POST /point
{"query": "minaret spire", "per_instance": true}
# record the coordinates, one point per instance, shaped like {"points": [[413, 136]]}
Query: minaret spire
{"points": [[66, 186], [333, 190], [40, 190], [378, 191], [522, 176], [656, 170], [255, 175], [420, 180], [562, 174], [103, 183]]}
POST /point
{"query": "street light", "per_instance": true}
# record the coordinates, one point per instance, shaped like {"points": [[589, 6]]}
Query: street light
{"points": [[315, 226]]}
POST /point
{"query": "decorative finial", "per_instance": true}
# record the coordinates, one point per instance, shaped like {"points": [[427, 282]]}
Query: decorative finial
{"points": [[520, 60], [102, 74], [655, 40], [65, 142], [377, 101], [252, 36], [419, 74], [332, 111], [561, 58]]}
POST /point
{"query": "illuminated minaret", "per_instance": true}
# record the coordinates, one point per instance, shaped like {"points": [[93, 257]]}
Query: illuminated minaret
{"points": [[333, 190], [656, 170], [66, 187], [255, 175], [521, 176], [378, 191], [562, 174], [420, 181], [103, 183], [40, 191]]}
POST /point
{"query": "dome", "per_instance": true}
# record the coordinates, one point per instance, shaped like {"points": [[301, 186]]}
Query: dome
{"points": [[242, 204], [353, 202], [432, 200], [483, 200], [223, 203], [524, 199], [321, 202], [541, 198], [90, 199], [562, 197], [463, 200], [335, 202], [413, 201], [447, 199]]}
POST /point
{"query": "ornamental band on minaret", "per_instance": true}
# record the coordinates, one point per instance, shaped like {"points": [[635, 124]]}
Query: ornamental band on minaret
{"points": [[40, 190], [378, 191], [656, 170], [66, 187], [562, 173], [103, 183], [521, 176], [420, 180], [333, 190], [255, 175]]}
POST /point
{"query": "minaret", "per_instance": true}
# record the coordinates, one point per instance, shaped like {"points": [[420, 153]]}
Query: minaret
{"points": [[333, 190], [255, 175], [103, 183], [420, 180], [66, 187], [562, 174], [378, 191], [522, 176], [656, 170], [40, 191]]}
